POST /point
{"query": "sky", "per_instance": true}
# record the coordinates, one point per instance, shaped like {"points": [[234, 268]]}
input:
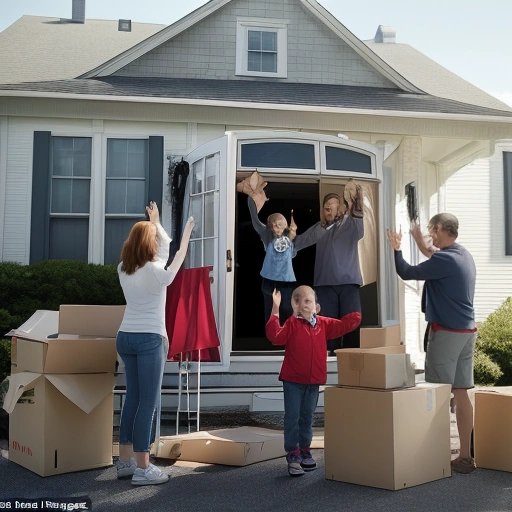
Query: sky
{"points": [[469, 37]]}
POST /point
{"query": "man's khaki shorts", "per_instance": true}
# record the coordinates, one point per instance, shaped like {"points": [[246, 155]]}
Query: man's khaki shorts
{"points": [[449, 358]]}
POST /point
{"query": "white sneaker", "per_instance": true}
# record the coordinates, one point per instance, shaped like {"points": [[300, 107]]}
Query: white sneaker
{"points": [[149, 476], [294, 467], [125, 468]]}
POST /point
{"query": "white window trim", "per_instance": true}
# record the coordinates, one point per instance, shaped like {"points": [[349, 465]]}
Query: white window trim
{"points": [[243, 25]]}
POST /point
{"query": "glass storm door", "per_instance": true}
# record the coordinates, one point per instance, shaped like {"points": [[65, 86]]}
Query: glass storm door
{"points": [[207, 203]]}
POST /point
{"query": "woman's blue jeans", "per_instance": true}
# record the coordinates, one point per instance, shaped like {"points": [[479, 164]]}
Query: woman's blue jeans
{"points": [[143, 357], [300, 401]]}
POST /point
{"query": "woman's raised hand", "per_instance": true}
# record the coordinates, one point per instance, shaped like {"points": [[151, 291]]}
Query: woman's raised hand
{"points": [[153, 213]]}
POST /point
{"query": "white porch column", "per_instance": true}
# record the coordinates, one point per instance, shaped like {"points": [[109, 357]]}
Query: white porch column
{"points": [[98, 183]]}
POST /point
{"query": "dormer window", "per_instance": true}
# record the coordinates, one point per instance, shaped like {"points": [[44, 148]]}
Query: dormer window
{"points": [[261, 47], [262, 51]]}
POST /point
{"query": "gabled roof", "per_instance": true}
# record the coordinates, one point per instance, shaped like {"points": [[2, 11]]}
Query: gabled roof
{"points": [[40, 48], [212, 6], [51, 50], [431, 77], [256, 94]]}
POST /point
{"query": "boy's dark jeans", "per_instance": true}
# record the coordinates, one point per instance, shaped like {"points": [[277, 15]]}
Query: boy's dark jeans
{"points": [[300, 401]]}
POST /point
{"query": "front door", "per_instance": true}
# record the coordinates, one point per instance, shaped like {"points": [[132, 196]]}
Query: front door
{"points": [[298, 168]]}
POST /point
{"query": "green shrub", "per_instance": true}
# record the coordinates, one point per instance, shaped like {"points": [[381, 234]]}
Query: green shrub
{"points": [[495, 340], [486, 371], [5, 361], [47, 285]]}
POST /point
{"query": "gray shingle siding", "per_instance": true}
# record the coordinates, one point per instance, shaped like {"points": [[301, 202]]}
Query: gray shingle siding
{"points": [[208, 49]]}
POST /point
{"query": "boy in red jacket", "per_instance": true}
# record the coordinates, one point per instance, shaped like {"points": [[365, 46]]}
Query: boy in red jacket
{"points": [[304, 368]]}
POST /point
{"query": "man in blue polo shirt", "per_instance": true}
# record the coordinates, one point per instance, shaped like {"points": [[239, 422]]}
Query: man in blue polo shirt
{"points": [[449, 276]]}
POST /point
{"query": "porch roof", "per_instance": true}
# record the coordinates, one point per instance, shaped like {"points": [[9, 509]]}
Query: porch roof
{"points": [[251, 91]]}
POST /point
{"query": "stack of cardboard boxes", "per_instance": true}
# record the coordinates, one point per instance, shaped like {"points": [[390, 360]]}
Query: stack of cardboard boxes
{"points": [[60, 389], [381, 429]]}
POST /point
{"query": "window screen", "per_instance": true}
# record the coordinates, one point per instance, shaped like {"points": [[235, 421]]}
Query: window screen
{"points": [[126, 191], [70, 190]]}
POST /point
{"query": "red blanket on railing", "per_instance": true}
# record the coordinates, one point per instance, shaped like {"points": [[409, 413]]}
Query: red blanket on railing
{"points": [[189, 317]]}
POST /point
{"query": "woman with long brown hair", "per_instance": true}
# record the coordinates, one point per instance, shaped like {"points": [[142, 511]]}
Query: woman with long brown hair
{"points": [[142, 339]]}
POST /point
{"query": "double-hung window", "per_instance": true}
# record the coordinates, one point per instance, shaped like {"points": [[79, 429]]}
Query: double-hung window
{"points": [[262, 51], [261, 48]]}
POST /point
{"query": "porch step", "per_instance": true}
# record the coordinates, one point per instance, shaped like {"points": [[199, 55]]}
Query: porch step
{"points": [[274, 402], [212, 397]]}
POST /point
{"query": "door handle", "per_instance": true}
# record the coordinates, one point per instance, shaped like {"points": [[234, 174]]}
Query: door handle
{"points": [[229, 261]]}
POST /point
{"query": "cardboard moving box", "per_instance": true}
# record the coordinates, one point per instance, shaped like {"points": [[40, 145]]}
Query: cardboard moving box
{"points": [[78, 339], [387, 439], [232, 447], [493, 428], [380, 368], [100, 321], [60, 423], [373, 337], [42, 322]]}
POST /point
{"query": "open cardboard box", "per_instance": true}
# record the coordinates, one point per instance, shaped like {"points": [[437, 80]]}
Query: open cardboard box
{"points": [[76, 339], [232, 446], [387, 439], [379, 368], [60, 423]]}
